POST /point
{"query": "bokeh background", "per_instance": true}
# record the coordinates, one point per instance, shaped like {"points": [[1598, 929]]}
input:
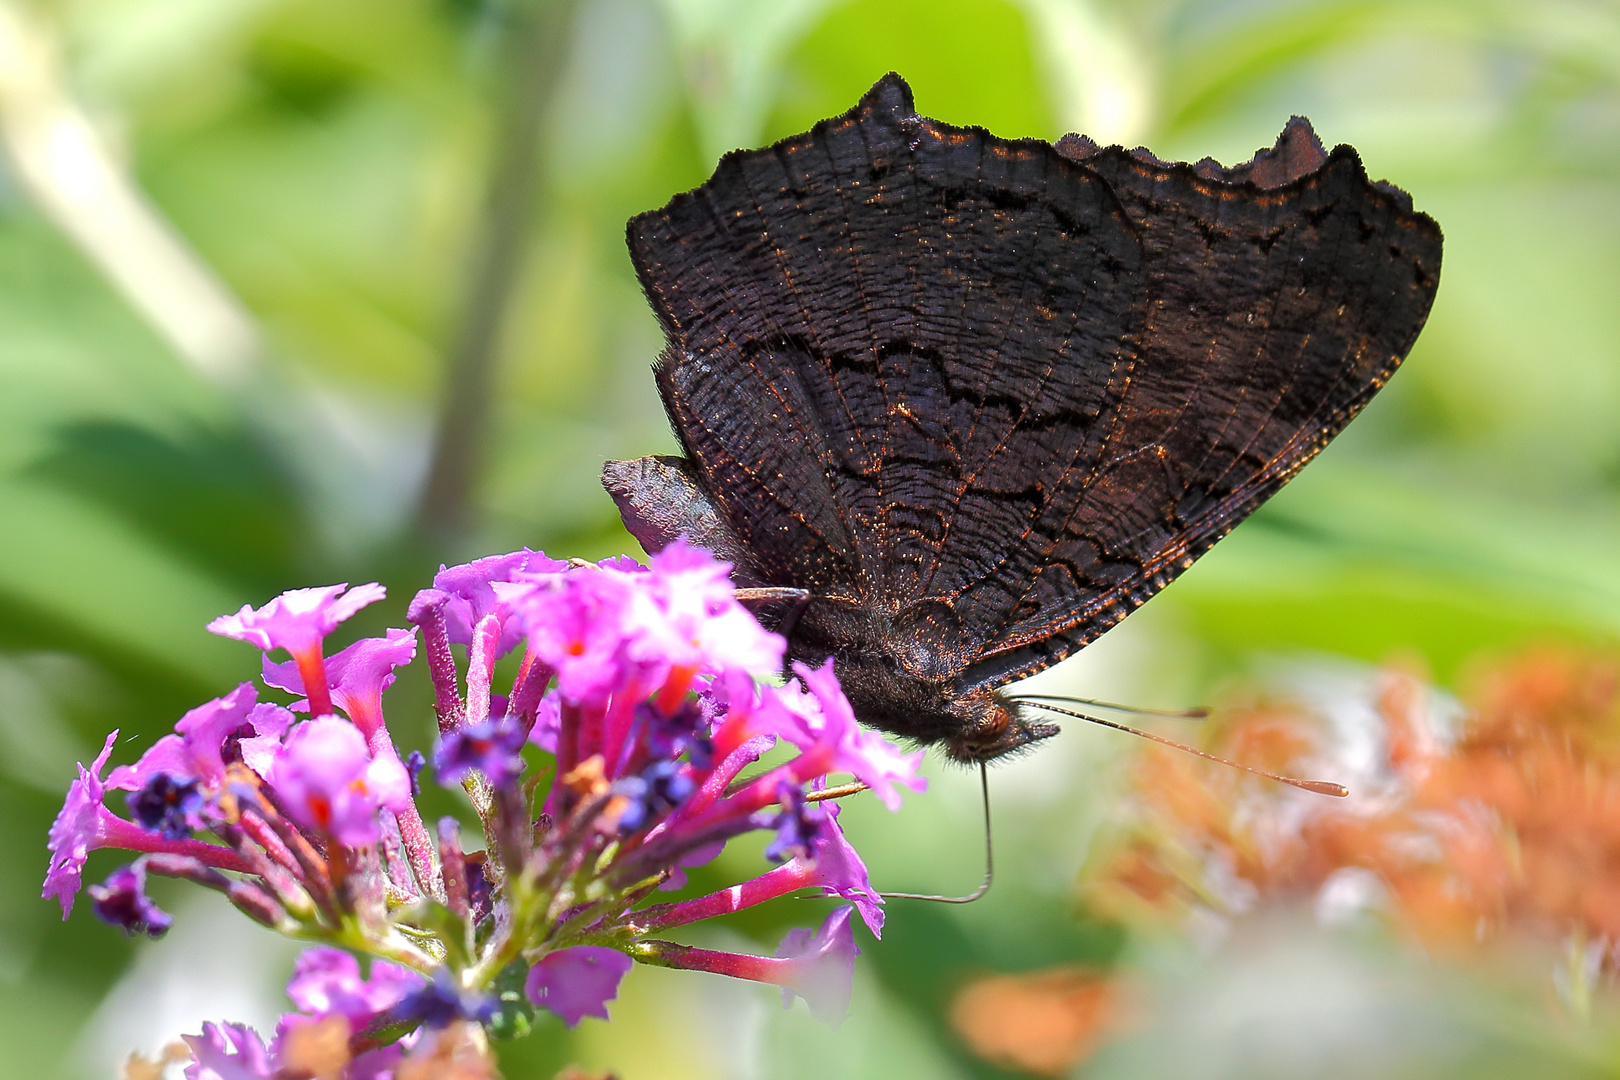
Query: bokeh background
{"points": [[296, 291]]}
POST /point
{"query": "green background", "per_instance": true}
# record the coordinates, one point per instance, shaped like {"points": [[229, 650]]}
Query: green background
{"points": [[329, 164]]}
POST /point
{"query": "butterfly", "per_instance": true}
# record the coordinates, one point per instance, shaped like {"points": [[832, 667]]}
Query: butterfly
{"points": [[976, 399]]}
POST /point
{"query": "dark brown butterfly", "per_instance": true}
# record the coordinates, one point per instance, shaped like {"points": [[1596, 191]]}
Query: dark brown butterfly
{"points": [[980, 398]]}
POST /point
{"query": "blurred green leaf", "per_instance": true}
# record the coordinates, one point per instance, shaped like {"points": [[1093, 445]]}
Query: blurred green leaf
{"points": [[987, 77], [216, 498], [112, 584]]}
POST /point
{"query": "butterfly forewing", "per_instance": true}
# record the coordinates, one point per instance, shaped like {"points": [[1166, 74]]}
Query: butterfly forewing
{"points": [[983, 397]]}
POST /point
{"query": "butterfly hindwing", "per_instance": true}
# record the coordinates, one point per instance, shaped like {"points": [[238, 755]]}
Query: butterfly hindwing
{"points": [[1275, 314]]}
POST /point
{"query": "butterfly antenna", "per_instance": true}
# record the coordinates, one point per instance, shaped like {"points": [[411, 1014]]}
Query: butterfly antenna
{"points": [[1199, 712], [989, 858], [1321, 787]]}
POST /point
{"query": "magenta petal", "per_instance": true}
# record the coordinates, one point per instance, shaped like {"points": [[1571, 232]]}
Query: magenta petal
{"points": [[360, 673], [327, 981], [269, 722], [698, 856], [547, 720], [76, 830], [323, 976], [299, 619], [823, 967], [281, 676], [356, 676], [471, 595], [227, 1052], [577, 626], [687, 617], [831, 721], [818, 966], [329, 781], [206, 728], [839, 871], [259, 753], [196, 751], [578, 982], [169, 754], [378, 1064]]}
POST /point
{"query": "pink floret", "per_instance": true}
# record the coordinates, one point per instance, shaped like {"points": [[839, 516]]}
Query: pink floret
{"points": [[299, 619], [76, 831], [329, 782], [578, 982]]}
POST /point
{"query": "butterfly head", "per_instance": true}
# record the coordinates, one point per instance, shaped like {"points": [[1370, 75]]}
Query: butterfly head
{"points": [[993, 727]]}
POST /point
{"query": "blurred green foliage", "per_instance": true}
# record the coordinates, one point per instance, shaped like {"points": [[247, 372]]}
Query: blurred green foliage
{"points": [[329, 162]]}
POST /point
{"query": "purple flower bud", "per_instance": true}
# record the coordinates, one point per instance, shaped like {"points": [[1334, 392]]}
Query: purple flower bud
{"points": [[415, 762], [427, 614], [329, 782], [578, 982], [168, 805], [658, 789], [121, 901], [480, 894], [797, 826], [669, 735], [443, 1001], [492, 748]]}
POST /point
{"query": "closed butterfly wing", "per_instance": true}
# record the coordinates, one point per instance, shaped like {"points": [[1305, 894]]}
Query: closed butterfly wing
{"points": [[981, 398], [886, 342], [1281, 296]]}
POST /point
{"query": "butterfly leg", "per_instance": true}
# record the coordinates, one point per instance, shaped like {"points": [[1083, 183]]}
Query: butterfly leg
{"points": [[800, 597]]}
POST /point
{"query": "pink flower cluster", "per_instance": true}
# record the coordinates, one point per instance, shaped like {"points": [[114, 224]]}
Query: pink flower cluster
{"points": [[649, 686]]}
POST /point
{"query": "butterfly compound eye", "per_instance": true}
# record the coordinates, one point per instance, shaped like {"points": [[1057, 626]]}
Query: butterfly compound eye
{"points": [[995, 730]]}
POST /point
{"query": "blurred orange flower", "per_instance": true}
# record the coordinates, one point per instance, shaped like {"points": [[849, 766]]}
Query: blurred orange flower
{"points": [[1043, 1022], [1509, 825]]}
